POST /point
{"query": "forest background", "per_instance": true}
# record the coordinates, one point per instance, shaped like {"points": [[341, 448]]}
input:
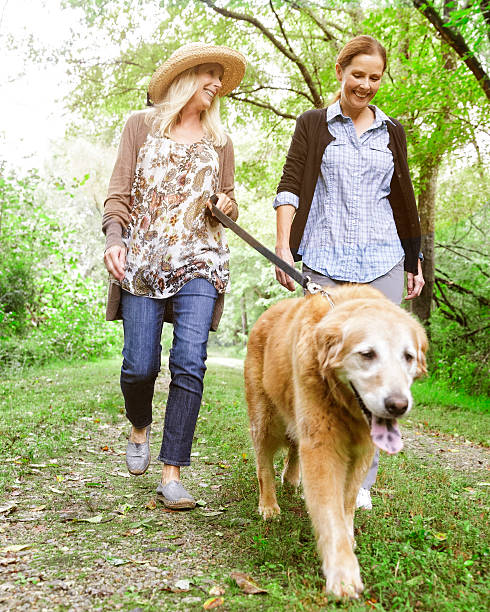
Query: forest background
{"points": [[52, 279]]}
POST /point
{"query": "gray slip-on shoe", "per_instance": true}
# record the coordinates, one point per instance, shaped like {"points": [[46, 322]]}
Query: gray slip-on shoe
{"points": [[174, 496], [138, 455]]}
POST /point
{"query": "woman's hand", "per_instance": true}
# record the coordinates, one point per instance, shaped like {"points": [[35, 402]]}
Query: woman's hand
{"points": [[115, 261], [415, 283], [224, 204], [282, 277]]}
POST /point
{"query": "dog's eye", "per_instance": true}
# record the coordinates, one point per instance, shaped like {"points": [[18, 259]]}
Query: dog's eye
{"points": [[368, 355], [409, 357]]}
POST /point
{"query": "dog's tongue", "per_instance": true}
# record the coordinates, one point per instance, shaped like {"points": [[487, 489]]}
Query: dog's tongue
{"points": [[386, 435]]}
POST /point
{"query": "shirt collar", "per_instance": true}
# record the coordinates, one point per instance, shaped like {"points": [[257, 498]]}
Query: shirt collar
{"points": [[334, 111]]}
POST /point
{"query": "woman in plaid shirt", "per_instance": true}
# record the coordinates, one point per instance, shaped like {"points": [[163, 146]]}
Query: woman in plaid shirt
{"points": [[345, 203]]}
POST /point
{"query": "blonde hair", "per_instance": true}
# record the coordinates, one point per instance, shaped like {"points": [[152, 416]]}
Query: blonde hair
{"points": [[166, 114], [359, 45]]}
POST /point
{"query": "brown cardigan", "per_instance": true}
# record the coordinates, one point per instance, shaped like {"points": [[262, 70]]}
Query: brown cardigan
{"points": [[302, 167], [117, 205]]}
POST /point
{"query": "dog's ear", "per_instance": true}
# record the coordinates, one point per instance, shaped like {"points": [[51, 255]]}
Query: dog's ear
{"points": [[328, 340], [422, 344]]}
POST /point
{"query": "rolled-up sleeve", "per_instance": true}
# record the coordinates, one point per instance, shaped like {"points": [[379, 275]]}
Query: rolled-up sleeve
{"points": [[286, 197]]}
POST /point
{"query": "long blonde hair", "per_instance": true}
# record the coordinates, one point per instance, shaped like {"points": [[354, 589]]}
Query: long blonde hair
{"points": [[166, 114]]}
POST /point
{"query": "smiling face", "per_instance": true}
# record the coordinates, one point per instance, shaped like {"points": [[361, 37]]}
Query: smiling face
{"points": [[209, 84], [360, 81]]}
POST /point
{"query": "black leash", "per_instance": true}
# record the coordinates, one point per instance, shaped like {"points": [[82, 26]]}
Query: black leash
{"points": [[295, 274]]}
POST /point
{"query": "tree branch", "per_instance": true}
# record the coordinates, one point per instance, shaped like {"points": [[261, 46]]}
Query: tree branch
{"points": [[318, 102], [452, 285], [457, 42], [453, 314], [261, 87], [485, 10], [280, 26], [262, 105], [321, 23]]}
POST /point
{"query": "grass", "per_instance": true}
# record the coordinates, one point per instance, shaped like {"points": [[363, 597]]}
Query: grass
{"points": [[451, 411], [97, 542]]}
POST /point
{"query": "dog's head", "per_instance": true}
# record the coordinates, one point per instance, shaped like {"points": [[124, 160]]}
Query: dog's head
{"points": [[377, 350]]}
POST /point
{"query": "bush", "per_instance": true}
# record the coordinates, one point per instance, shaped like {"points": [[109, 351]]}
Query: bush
{"points": [[459, 324], [48, 309]]}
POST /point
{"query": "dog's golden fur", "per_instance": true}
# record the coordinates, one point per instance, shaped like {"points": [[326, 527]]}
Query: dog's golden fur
{"points": [[302, 358]]}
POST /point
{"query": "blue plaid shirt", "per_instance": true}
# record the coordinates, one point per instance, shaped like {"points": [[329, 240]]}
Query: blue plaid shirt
{"points": [[350, 233]]}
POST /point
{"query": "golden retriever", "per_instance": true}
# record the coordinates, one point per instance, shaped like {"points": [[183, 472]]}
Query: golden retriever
{"points": [[329, 383]]}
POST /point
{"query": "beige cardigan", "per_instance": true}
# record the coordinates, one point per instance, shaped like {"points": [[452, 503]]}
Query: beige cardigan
{"points": [[117, 206]]}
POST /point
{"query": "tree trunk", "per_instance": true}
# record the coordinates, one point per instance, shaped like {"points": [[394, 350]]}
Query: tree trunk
{"points": [[427, 202]]}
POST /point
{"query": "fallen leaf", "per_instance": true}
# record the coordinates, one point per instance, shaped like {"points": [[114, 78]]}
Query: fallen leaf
{"points": [[152, 504], [138, 561], [92, 519], [213, 602], [217, 590], [144, 523], [210, 512], [201, 502], [183, 585], [37, 508], [8, 508], [104, 448], [8, 560], [116, 561], [56, 490], [15, 548], [132, 532], [38, 465], [247, 584], [123, 474]]}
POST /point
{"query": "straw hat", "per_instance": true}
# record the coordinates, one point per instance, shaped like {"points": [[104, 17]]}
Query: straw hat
{"points": [[193, 54]]}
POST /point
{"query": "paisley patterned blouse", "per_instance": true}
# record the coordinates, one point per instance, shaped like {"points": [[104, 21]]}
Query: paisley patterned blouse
{"points": [[170, 238]]}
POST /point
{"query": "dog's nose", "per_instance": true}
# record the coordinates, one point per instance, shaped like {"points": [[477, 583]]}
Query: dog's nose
{"points": [[396, 404]]}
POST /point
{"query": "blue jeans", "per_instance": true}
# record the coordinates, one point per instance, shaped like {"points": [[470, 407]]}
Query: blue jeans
{"points": [[193, 308]]}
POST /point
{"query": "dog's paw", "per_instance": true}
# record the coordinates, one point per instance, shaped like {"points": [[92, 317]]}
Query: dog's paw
{"points": [[343, 581], [268, 512]]}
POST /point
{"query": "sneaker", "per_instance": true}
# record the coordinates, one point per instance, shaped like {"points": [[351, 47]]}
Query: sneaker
{"points": [[364, 499]]}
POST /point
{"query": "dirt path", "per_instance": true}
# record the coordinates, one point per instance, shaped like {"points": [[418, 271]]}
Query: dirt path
{"points": [[87, 536], [113, 537]]}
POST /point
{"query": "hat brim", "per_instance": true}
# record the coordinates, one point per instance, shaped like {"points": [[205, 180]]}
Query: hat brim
{"points": [[233, 63]]}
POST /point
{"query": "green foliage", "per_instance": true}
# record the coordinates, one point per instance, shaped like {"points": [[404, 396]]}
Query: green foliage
{"points": [[48, 309], [460, 346], [19, 242]]}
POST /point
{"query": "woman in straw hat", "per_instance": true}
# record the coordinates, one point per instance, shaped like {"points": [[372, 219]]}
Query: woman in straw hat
{"points": [[166, 254]]}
